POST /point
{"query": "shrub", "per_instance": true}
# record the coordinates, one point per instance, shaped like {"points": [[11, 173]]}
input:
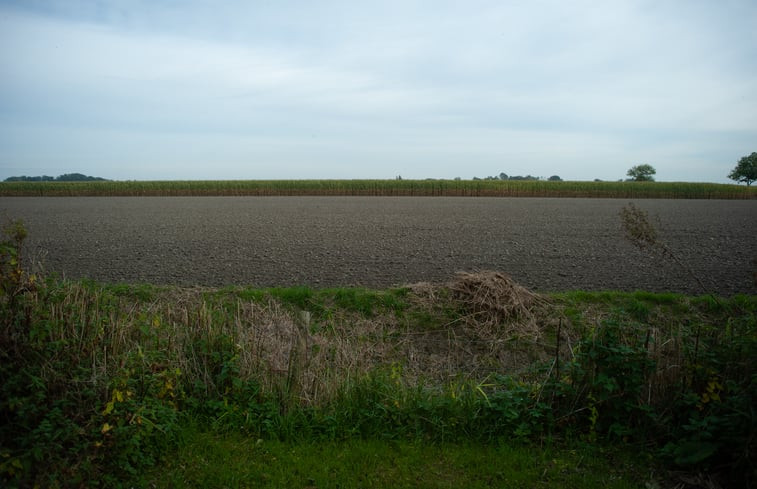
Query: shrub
{"points": [[602, 387], [56, 427]]}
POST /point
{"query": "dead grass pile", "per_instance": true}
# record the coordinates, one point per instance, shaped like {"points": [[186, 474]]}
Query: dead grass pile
{"points": [[493, 300]]}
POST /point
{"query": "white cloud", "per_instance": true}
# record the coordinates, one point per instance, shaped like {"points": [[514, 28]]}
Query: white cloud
{"points": [[573, 88]]}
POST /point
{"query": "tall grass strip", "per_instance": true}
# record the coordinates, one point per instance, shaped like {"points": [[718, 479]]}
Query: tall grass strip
{"points": [[382, 188]]}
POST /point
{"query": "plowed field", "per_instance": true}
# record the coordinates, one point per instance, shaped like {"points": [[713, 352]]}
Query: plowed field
{"points": [[545, 244]]}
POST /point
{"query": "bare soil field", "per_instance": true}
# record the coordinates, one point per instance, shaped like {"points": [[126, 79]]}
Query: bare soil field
{"points": [[546, 244]]}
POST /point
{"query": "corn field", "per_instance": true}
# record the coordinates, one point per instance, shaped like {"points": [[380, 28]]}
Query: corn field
{"points": [[421, 188]]}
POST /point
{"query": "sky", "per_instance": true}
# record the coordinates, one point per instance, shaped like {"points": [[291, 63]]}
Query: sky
{"points": [[170, 90]]}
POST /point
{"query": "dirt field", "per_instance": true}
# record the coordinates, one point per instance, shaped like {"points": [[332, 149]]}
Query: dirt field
{"points": [[545, 244]]}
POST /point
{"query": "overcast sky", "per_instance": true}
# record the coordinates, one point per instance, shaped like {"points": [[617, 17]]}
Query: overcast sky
{"points": [[151, 90]]}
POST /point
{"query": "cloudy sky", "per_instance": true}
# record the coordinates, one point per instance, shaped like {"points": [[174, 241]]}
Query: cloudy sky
{"points": [[168, 89]]}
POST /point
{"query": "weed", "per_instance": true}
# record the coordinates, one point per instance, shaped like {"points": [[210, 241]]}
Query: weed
{"points": [[642, 233]]}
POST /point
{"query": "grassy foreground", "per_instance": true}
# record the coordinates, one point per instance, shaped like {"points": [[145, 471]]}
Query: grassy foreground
{"points": [[210, 460], [467, 188], [477, 382]]}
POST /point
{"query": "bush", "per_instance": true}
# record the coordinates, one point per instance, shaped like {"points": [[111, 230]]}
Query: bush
{"points": [[604, 383], [56, 427], [702, 418], [712, 423]]}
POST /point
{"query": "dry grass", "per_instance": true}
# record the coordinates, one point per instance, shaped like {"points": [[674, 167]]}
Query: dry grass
{"points": [[643, 234], [639, 230], [301, 361], [476, 325], [494, 301], [312, 361]]}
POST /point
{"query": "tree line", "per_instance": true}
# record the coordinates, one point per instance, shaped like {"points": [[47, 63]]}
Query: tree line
{"points": [[68, 177], [505, 176], [745, 171]]}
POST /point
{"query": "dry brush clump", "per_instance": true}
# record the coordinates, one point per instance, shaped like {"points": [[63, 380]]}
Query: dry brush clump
{"points": [[494, 301], [642, 233], [639, 230], [492, 325]]}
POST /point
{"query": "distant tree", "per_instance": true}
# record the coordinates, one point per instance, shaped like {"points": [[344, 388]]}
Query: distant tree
{"points": [[24, 178], [68, 177], [73, 177], [527, 177], [746, 170], [642, 173], [504, 176], [555, 178]]}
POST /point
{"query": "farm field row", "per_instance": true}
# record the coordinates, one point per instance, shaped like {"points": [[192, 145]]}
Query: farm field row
{"points": [[545, 244], [450, 188]]}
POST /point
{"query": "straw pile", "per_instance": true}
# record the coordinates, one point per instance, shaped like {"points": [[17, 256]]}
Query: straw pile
{"points": [[493, 300]]}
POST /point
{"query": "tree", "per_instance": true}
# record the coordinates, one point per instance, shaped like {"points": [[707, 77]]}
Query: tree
{"points": [[68, 177], [555, 178], [746, 170], [642, 173]]}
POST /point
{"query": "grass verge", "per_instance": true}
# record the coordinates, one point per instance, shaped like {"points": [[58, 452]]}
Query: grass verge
{"points": [[210, 460]]}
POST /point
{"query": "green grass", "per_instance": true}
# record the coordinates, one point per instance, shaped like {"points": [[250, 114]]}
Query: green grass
{"points": [[462, 188], [210, 460], [323, 303], [611, 298]]}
